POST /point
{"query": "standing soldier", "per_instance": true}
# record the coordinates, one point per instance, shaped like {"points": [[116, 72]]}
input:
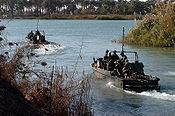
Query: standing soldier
{"points": [[110, 65], [106, 55]]}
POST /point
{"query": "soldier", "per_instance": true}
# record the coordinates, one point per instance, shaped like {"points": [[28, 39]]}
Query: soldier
{"points": [[139, 67], [42, 38], [114, 56], [127, 69], [126, 63], [124, 57], [118, 68], [37, 32], [109, 56], [104, 65], [110, 65], [94, 60], [106, 55], [30, 35], [99, 62], [114, 72], [125, 72], [36, 37]]}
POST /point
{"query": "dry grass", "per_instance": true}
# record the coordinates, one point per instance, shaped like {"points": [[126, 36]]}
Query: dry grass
{"points": [[56, 93]]}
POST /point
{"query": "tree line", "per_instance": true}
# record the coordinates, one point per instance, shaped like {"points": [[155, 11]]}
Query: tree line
{"points": [[75, 7]]}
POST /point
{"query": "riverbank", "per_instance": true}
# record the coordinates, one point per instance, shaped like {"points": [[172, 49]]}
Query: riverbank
{"points": [[156, 29], [76, 17]]}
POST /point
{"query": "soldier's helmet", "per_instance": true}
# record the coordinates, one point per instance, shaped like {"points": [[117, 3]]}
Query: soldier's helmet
{"points": [[107, 51], [122, 53], [136, 61], [126, 60]]}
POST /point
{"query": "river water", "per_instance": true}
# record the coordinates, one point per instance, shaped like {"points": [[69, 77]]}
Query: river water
{"points": [[95, 37]]}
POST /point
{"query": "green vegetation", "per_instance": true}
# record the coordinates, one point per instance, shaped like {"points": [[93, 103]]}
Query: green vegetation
{"points": [[26, 89], [56, 8], [84, 17], [156, 29]]}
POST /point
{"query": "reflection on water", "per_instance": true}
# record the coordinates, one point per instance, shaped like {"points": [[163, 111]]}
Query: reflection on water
{"points": [[96, 37]]}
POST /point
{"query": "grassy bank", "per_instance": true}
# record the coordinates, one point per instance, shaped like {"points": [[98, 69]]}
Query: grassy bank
{"points": [[80, 17], [156, 29]]}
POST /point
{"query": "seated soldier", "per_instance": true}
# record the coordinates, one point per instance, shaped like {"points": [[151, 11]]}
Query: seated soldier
{"points": [[30, 35], [125, 72], [119, 67], [99, 63], [114, 56], [37, 32], [106, 55], [35, 40], [110, 65], [114, 72], [139, 68], [124, 57], [104, 65], [42, 38], [94, 60]]}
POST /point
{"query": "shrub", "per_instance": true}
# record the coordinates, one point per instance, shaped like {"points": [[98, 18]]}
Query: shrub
{"points": [[156, 29]]}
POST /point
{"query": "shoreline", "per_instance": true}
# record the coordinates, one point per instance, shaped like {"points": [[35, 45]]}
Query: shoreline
{"points": [[77, 17]]}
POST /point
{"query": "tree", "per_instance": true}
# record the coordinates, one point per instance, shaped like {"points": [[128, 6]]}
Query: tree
{"points": [[20, 6], [37, 5], [11, 4], [50, 5]]}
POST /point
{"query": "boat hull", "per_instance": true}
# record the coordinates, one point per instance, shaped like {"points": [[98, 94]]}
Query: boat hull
{"points": [[138, 85]]}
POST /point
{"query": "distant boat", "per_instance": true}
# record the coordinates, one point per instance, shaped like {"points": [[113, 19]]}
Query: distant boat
{"points": [[38, 38], [130, 77]]}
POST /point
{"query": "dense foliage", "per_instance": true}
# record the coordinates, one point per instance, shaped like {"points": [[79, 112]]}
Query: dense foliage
{"points": [[157, 28], [74, 7]]}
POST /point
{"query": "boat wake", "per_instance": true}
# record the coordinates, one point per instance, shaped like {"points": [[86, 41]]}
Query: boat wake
{"points": [[49, 49], [170, 73], [155, 94], [110, 85]]}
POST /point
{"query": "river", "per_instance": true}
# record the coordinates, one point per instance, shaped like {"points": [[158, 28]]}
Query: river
{"points": [[95, 37]]}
